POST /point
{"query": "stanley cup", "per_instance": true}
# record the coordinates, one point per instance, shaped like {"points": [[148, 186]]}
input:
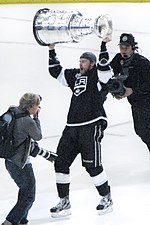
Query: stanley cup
{"points": [[60, 26]]}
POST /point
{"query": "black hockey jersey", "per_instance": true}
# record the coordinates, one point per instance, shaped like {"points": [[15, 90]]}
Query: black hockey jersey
{"points": [[88, 91]]}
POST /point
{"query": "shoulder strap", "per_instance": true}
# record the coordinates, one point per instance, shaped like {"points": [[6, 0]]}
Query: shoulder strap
{"points": [[17, 115]]}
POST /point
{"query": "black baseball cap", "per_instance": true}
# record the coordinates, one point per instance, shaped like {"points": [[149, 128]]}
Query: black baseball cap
{"points": [[89, 55], [127, 40]]}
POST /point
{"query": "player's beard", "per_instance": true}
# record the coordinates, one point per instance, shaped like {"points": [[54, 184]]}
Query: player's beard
{"points": [[83, 70]]}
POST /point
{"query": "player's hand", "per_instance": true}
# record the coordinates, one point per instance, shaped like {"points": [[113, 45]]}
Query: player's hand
{"points": [[128, 92], [107, 38], [51, 46]]}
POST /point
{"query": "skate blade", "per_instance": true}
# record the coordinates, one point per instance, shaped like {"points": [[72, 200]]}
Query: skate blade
{"points": [[105, 211], [63, 213]]}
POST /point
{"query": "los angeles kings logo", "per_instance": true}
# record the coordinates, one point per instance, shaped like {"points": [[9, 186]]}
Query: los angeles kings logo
{"points": [[80, 85]]}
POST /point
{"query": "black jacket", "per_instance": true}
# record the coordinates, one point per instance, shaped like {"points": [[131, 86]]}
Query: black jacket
{"points": [[138, 78]]}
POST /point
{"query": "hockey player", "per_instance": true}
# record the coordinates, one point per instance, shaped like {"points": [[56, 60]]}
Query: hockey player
{"points": [[136, 69], [86, 122]]}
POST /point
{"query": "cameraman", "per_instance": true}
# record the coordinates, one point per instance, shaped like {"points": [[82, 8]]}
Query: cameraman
{"points": [[136, 69]]}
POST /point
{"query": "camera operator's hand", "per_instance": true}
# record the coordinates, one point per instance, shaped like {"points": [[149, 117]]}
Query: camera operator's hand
{"points": [[128, 92]]}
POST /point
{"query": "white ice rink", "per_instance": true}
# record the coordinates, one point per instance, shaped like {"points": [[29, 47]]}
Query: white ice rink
{"points": [[24, 68]]}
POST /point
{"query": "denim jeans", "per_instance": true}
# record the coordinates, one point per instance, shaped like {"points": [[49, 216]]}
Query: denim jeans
{"points": [[25, 180]]}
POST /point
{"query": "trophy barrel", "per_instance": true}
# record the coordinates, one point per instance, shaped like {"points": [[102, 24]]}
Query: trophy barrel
{"points": [[51, 27]]}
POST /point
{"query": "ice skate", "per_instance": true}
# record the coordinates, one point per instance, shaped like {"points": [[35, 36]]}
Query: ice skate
{"points": [[62, 209], [105, 205]]}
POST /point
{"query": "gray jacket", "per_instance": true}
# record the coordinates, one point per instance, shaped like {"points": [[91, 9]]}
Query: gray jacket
{"points": [[25, 129]]}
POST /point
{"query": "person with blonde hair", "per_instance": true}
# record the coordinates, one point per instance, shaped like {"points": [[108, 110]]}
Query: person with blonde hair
{"points": [[19, 165]]}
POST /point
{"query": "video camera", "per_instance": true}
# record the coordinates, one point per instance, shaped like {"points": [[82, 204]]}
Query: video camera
{"points": [[36, 150], [116, 85]]}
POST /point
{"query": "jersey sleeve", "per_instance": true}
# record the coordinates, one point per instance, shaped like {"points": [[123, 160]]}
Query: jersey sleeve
{"points": [[103, 67], [65, 76], [54, 64], [55, 69]]}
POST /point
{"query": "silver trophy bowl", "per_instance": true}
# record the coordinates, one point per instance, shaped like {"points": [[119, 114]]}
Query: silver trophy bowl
{"points": [[60, 26]]}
